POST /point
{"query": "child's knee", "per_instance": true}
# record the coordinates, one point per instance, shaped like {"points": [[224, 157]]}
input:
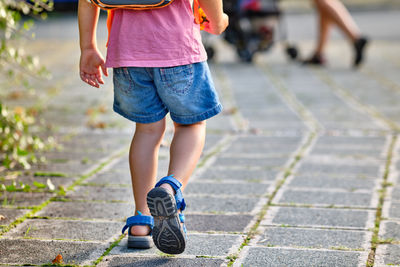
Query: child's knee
{"points": [[156, 128], [196, 124]]}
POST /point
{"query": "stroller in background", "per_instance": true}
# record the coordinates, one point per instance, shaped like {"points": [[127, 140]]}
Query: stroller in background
{"points": [[252, 28]]}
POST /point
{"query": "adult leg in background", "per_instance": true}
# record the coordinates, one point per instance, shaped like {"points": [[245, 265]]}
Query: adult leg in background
{"points": [[334, 12]]}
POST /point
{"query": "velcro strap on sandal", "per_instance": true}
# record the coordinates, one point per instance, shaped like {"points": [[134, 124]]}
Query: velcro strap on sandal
{"points": [[180, 201], [138, 220], [176, 185], [182, 217], [171, 181]]}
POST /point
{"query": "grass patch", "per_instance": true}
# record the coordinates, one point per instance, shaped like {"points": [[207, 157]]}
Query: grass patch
{"points": [[23, 218], [382, 192], [253, 231], [50, 174]]}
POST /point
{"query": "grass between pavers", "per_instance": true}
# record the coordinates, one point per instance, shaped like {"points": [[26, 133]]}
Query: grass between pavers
{"points": [[94, 184], [96, 170], [314, 126], [47, 239], [307, 117], [201, 164], [323, 206], [214, 151], [113, 245], [253, 231], [23, 218], [371, 73], [37, 208], [375, 241], [74, 219], [227, 94], [346, 94], [50, 174], [63, 199]]}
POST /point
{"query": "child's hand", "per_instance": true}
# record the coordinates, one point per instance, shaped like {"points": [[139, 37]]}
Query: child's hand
{"points": [[217, 27], [90, 67]]}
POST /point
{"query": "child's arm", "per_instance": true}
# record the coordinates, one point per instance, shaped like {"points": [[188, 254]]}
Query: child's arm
{"points": [[217, 19], [91, 62]]}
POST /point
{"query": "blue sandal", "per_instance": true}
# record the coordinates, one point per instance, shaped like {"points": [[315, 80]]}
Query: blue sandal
{"points": [[169, 235], [139, 241]]}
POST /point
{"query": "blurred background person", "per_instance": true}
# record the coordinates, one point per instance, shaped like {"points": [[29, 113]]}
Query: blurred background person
{"points": [[334, 12]]}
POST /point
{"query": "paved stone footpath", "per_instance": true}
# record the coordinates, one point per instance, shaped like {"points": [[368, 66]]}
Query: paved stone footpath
{"points": [[301, 169]]}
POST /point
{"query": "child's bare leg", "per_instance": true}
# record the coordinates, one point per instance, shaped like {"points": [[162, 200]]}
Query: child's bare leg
{"points": [[143, 161], [187, 144], [186, 148]]}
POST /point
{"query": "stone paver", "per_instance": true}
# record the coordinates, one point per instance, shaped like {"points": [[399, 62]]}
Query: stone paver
{"points": [[391, 210], [259, 256], [66, 229], [159, 261], [314, 238], [388, 255], [220, 205], [9, 215], [228, 189], [101, 193], [23, 199], [350, 184], [340, 170], [217, 222], [293, 173], [242, 174], [20, 251], [390, 231], [318, 217], [327, 198], [87, 210], [212, 245]]}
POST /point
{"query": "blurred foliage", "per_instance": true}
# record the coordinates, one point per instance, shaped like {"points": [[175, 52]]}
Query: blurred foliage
{"points": [[16, 19], [17, 144]]}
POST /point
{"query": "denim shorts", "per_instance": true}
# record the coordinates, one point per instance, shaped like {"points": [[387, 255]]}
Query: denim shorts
{"points": [[146, 95]]}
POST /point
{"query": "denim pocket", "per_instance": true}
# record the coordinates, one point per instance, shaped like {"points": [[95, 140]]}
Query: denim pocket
{"points": [[122, 80], [178, 79]]}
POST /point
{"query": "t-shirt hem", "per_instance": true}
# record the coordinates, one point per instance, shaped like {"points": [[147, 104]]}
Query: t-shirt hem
{"points": [[154, 63]]}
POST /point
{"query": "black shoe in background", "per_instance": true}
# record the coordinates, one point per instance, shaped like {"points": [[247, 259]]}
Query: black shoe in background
{"points": [[359, 46], [316, 59]]}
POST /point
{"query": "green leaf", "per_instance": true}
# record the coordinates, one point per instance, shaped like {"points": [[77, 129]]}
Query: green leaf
{"points": [[39, 185], [11, 188], [22, 152]]}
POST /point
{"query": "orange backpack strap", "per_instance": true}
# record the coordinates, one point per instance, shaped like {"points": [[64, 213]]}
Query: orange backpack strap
{"points": [[110, 17], [196, 12], [199, 15]]}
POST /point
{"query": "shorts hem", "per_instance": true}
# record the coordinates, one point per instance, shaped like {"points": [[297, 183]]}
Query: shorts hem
{"points": [[143, 119], [197, 118]]}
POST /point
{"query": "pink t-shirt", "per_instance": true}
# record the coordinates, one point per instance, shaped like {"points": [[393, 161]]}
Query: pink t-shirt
{"points": [[163, 37]]}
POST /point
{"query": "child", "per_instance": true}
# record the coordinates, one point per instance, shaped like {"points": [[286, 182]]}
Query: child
{"points": [[159, 66]]}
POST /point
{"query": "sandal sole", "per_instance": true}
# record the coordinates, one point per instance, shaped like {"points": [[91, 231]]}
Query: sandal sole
{"points": [[139, 242], [168, 235]]}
